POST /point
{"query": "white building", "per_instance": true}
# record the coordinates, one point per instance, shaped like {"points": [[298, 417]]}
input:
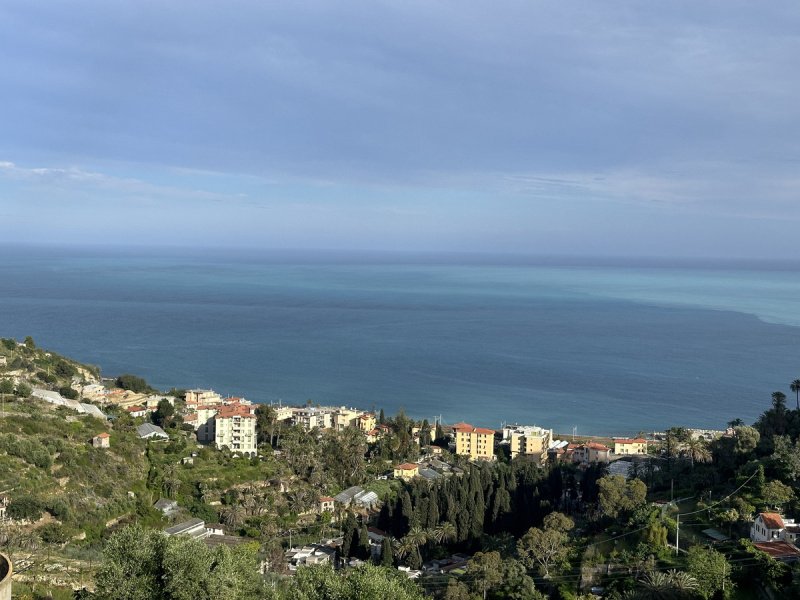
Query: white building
{"points": [[770, 527], [235, 427]]}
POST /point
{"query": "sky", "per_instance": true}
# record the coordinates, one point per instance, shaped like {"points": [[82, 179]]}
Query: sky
{"points": [[547, 128]]}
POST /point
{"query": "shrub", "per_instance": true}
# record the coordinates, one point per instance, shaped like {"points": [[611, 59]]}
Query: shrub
{"points": [[25, 507]]}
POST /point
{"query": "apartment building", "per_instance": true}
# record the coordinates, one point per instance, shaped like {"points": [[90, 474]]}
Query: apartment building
{"points": [[528, 440], [197, 397], [235, 427], [475, 442]]}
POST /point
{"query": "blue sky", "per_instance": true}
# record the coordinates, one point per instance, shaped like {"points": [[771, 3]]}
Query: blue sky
{"points": [[612, 128]]}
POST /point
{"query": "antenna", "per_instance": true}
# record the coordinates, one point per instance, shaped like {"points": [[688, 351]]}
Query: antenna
{"points": [[574, 430]]}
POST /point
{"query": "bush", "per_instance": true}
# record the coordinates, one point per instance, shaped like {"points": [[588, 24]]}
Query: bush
{"points": [[132, 383], [46, 377], [68, 392], [25, 507], [55, 533]]}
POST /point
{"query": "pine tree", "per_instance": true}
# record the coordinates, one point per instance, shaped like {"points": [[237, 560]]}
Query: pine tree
{"points": [[387, 560]]}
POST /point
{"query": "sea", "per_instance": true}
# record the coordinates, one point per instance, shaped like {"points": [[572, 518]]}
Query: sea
{"points": [[601, 347]]}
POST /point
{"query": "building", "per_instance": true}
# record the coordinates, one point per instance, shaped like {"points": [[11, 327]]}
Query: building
{"points": [[475, 442], [630, 446], [770, 527], [235, 427], [367, 422], [528, 440], [325, 504], [101, 440], [194, 528], [152, 402], [406, 471], [148, 431], [310, 417], [345, 417], [779, 550], [590, 452], [313, 554], [196, 397], [137, 411], [357, 496], [166, 507]]}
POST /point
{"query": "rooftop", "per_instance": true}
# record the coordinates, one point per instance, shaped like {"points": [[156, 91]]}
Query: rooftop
{"points": [[772, 520]]}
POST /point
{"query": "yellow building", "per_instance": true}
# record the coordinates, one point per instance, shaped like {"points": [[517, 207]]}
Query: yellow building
{"points": [[529, 441], [628, 446], [475, 442], [367, 422], [406, 471]]}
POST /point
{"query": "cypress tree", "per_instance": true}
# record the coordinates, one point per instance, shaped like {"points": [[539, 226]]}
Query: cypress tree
{"points": [[387, 558], [406, 514]]}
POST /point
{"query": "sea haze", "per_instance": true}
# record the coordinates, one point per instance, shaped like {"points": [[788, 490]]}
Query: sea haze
{"points": [[610, 349]]}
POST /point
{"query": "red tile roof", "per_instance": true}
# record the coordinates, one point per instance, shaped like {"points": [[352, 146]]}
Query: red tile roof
{"points": [[407, 467], [630, 441], [772, 520], [467, 428], [135, 408], [597, 446], [325, 499], [235, 410], [103, 435], [778, 549]]}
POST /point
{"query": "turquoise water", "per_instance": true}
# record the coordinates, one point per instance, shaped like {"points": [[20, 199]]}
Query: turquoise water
{"points": [[608, 349]]}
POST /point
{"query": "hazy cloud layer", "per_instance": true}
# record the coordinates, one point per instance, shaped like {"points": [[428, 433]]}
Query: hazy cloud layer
{"points": [[585, 127]]}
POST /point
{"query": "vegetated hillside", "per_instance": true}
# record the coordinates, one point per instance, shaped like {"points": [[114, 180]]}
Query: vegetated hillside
{"points": [[27, 365], [48, 464]]}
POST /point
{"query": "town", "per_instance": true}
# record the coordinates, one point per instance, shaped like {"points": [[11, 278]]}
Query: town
{"points": [[293, 495]]}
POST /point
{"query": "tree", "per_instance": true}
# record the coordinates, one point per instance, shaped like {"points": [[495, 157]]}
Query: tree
{"points": [[140, 564], [320, 582], [696, 450], [485, 571], [132, 383], [445, 532], [29, 343], [710, 569], [546, 549], [776, 493], [617, 495], [164, 414], [343, 455], [23, 390], [795, 387], [669, 585]]}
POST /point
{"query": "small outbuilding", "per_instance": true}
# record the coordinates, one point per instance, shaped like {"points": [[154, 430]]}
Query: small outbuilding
{"points": [[101, 440]]}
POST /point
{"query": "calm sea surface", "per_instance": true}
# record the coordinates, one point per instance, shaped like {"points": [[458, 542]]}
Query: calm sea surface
{"points": [[606, 349]]}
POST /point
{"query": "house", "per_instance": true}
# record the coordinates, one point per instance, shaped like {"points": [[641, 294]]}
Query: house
{"points": [[475, 442], [101, 440], [367, 422], [148, 431], [325, 504], [429, 474], [630, 446], [167, 507], [770, 526], [592, 452], [313, 554], [406, 471], [137, 411]]}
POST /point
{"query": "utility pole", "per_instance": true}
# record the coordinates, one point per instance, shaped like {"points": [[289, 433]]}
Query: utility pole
{"points": [[677, 534]]}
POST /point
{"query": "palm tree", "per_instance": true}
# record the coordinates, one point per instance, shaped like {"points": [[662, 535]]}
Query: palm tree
{"points": [[445, 532], [697, 450], [672, 585], [795, 387], [233, 515]]}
